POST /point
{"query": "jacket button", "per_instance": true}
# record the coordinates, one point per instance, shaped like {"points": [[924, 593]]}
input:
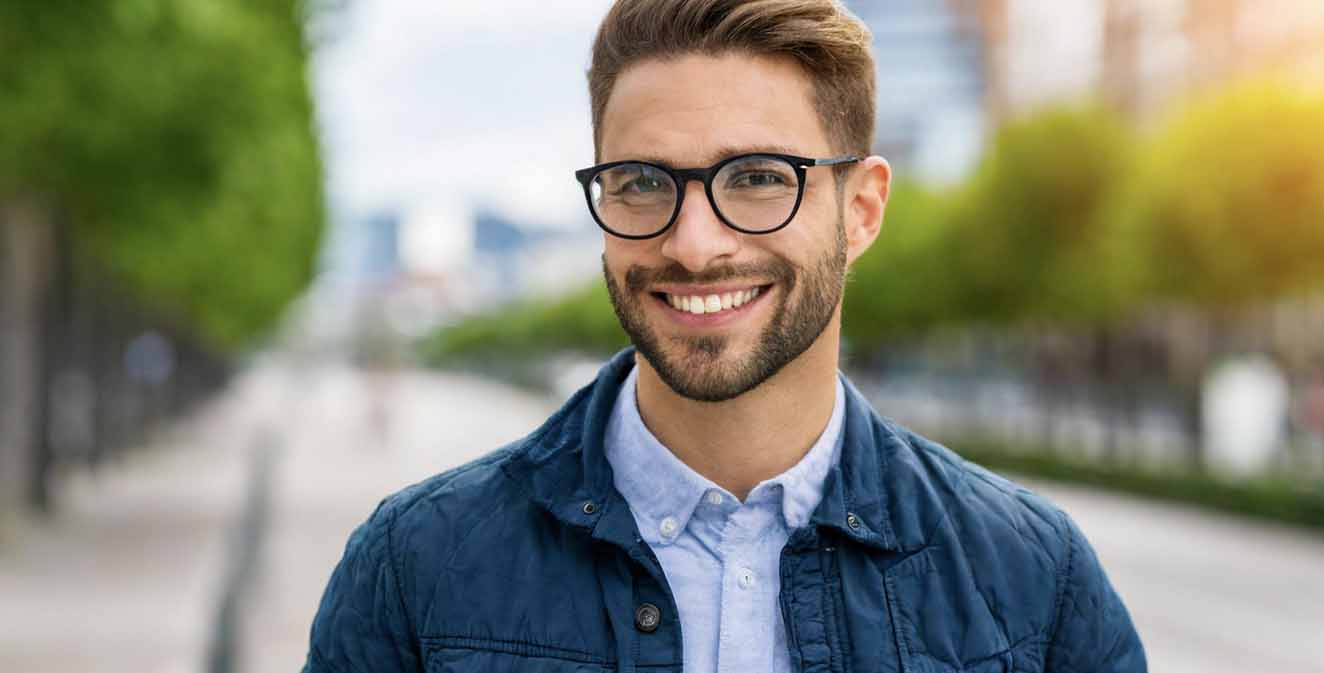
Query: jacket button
{"points": [[647, 618], [853, 521]]}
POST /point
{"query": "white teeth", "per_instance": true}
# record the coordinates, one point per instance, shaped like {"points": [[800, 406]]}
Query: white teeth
{"points": [[713, 303]]}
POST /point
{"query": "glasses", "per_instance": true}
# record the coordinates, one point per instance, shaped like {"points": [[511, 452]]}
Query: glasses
{"points": [[751, 193]]}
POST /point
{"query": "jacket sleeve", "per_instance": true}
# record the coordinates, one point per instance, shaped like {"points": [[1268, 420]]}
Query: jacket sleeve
{"points": [[362, 625], [1093, 632]]}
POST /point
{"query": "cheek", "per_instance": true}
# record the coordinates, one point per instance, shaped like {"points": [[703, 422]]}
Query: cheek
{"points": [[620, 253]]}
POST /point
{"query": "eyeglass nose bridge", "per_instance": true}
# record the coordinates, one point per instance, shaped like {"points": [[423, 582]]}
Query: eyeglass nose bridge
{"points": [[704, 176]]}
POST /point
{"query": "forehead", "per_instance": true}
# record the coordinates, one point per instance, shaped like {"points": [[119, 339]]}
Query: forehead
{"points": [[694, 109]]}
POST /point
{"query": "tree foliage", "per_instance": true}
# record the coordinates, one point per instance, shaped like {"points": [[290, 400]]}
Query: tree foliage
{"points": [[582, 320], [1031, 242], [175, 140], [903, 285], [1228, 202]]}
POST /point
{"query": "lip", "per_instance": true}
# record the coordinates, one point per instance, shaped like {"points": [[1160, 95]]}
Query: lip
{"points": [[707, 319]]}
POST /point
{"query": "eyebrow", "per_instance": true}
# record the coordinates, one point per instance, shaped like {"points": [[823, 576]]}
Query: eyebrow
{"points": [[725, 152]]}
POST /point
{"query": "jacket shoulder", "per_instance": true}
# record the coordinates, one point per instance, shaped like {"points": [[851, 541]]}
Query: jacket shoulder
{"points": [[444, 504], [1032, 567], [959, 490], [988, 543]]}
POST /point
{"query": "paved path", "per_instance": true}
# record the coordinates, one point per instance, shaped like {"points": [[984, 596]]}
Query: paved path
{"points": [[127, 578], [1208, 593]]}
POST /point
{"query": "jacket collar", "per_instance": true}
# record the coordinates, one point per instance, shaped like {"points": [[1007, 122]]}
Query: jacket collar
{"points": [[563, 465]]}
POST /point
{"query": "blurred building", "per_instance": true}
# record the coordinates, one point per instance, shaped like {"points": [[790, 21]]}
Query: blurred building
{"points": [[1137, 54], [522, 259], [930, 85]]}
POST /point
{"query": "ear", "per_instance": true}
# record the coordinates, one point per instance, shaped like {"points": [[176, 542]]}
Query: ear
{"points": [[865, 201]]}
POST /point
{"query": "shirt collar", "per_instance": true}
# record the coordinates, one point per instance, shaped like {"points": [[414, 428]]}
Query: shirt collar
{"points": [[658, 486]]}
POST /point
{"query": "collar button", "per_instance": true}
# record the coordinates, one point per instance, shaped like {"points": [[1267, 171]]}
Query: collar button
{"points": [[668, 527]]}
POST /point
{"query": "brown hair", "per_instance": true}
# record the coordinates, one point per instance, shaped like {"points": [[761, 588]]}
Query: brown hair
{"points": [[823, 37]]}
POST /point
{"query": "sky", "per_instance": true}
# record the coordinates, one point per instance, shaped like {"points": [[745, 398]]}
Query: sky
{"points": [[448, 106]]}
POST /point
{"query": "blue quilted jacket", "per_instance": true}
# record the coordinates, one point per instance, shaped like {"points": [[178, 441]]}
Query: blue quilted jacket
{"points": [[529, 560]]}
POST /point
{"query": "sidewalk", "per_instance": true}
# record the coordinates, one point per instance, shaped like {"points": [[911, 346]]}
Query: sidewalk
{"points": [[124, 578]]}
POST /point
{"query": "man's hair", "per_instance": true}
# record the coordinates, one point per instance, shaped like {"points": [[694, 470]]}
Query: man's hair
{"points": [[822, 36]]}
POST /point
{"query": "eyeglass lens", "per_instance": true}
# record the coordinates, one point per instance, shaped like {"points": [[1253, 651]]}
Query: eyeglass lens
{"points": [[754, 193]]}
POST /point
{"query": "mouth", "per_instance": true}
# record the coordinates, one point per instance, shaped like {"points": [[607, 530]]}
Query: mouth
{"points": [[709, 306]]}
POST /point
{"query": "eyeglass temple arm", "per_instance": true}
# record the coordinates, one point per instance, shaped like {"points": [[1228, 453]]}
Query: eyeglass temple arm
{"points": [[835, 161]]}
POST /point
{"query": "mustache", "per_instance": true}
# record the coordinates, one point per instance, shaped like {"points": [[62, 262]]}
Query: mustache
{"points": [[639, 278]]}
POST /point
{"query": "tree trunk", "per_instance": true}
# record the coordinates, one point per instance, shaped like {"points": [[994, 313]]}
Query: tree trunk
{"points": [[26, 248]]}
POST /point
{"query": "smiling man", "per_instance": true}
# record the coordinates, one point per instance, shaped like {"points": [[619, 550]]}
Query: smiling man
{"points": [[721, 498]]}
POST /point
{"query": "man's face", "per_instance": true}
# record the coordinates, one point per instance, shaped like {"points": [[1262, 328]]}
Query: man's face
{"points": [[694, 111]]}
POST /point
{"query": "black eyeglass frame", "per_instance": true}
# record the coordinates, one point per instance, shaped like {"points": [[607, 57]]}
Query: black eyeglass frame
{"points": [[682, 177]]}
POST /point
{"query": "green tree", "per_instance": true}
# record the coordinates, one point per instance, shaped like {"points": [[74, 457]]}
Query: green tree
{"points": [[580, 321], [903, 286], [174, 140], [1229, 199], [162, 147], [1030, 240]]}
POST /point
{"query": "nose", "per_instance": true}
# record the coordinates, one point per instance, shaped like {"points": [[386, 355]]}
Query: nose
{"points": [[698, 237]]}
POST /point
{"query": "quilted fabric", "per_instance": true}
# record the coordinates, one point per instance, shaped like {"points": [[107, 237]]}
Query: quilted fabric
{"points": [[529, 560]]}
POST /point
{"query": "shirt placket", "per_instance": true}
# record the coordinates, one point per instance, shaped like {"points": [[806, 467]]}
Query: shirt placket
{"points": [[745, 641]]}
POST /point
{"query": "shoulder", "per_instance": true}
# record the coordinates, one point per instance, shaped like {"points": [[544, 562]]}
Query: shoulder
{"points": [[1010, 557], [427, 513], [948, 487]]}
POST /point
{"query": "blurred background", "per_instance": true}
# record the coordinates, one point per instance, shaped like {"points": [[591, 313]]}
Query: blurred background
{"points": [[262, 263]]}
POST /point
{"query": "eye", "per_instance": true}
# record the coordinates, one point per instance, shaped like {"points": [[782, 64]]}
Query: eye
{"points": [[636, 180], [757, 179], [644, 184], [757, 174]]}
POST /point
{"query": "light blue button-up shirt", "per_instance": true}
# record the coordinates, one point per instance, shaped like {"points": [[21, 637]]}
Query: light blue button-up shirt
{"points": [[721, 557]]}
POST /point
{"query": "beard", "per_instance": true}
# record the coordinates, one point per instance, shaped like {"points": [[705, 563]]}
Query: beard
{"points": [[699, 367]]}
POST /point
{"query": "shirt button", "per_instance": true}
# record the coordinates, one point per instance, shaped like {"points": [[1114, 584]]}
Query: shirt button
{"points": [[745, 578], [714, 497], [668, 527], [647, 618]]}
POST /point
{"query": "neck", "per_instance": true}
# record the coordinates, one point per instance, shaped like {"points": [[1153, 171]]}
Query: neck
{"points": [[756, 436]]}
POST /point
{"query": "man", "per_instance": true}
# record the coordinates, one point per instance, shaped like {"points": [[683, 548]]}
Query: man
{"points": [[722, 499]]}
